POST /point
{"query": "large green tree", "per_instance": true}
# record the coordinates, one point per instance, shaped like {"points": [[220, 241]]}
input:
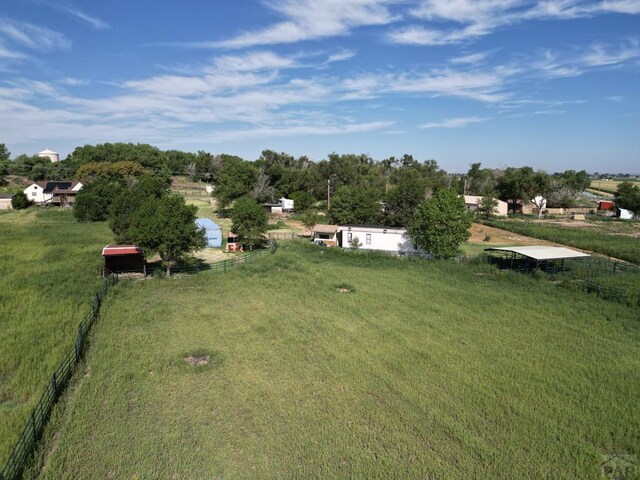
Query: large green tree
{"points": [[94, 200], [524, 184], [404, 197], [441, 224], [166, 226], [628, 196], [358, 204], [5, 158], [128, 201], [249, 222], [235, 179]]}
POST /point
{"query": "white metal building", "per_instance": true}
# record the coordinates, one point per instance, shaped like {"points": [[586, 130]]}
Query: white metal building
{"points": [[375, 237]]}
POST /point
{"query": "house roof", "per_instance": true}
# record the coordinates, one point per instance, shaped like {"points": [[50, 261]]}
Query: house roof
{"points": [[539, 252], [58, 185], [475, 199], [373, 227], [207, 224], [320, 228], [113, 250]]}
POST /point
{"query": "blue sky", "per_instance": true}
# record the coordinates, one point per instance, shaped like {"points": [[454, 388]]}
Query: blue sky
{"points": [[552, 84]]}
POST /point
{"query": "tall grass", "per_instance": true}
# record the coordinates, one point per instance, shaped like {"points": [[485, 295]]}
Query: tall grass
{"points": [[49, 267], [616, 246], [421, 370]]}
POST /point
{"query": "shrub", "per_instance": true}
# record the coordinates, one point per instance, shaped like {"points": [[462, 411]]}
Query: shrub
{"points": [[20, 201]]}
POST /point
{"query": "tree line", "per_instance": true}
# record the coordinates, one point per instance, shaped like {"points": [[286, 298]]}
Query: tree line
{"points": [[351, 188]]}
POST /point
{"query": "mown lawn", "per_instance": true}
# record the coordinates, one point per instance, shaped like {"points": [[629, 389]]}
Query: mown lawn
{"points": [[49, 272], [423, 370]]}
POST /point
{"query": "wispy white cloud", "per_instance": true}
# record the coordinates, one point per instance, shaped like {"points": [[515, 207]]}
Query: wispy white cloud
{"points": [[455, 122], [10, 53], [308, 20], [253, 61], [85, 17], [34, 37], [615, 98], [75, 82], [478, 18], [471, 58], [600, 54], [340, 56]]}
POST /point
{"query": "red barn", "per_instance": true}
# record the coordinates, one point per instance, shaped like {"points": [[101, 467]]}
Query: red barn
{"points": [[123, 259]]}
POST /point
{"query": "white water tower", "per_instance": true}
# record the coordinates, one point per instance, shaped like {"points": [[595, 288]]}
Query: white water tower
{"points": [[53, 156]]}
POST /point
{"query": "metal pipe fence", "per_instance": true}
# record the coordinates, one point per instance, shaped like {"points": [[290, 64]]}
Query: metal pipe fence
{"points": [[32, 431]]}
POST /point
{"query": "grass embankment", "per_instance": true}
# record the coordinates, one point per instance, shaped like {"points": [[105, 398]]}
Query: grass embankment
{"points": [[612, 244], [49, 267], [422, 370]]}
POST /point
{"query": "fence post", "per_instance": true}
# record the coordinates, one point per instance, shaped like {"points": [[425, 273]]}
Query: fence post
{"points": [[79, 343], [33, 425]]}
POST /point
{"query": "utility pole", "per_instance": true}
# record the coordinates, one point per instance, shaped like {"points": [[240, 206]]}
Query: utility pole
{"points": [[328, 193]]}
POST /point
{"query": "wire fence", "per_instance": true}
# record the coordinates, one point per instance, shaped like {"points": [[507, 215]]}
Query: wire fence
{"points": [[222, 266], [34, 428], [32, 432]]}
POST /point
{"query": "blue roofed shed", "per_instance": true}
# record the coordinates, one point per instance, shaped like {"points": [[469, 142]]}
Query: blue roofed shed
{"points": [[213, 232]]}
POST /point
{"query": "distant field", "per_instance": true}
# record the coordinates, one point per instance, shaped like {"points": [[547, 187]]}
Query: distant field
{"points": [[49, 267], [424, 370], [609, 185]]}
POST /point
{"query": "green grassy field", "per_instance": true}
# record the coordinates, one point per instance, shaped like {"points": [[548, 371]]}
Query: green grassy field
{"points": [[609, 185], [423, 370], [604, 237], [49, 266]]}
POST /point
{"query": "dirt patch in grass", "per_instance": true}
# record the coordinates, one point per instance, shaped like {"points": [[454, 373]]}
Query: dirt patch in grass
{"points": [[498, 236], [345, 288], [198, 361]]}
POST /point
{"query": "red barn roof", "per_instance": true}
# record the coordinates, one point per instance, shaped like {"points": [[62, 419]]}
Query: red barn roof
{"points": [[111, 250]]}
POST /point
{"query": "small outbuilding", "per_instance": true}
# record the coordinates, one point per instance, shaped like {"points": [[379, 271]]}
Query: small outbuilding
{"points": [[123, 259], [527, 258], [213, 232], [272, 208], [5, 201], [624, 214], [604, 205], [326, 235]]}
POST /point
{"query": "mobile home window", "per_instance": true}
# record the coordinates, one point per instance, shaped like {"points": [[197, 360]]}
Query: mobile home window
{"points": [[349, 235], [368, 239]]}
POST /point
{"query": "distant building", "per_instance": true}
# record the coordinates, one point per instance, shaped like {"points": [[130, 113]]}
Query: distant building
{"points": [[53, 192], [325, 235], [624, 214], [375, 237], [604, 205], [53, 156], [213, 232], [473, 203], [5, 201]]}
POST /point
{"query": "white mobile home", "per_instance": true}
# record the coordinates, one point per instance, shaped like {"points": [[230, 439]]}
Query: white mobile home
{"points": [[375, 237]]}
